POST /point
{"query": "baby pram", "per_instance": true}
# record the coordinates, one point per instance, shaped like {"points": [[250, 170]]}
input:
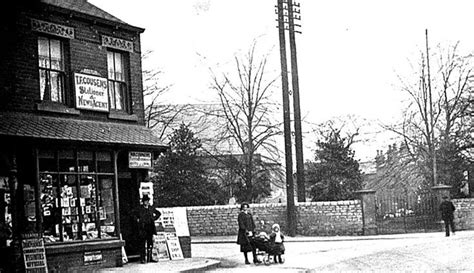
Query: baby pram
{"points": [[263, 248]]}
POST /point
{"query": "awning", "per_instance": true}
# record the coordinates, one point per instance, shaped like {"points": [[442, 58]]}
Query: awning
{"points": [[83, 131]]}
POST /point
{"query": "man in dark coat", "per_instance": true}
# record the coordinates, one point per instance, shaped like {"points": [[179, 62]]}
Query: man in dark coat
{"points": [[246, 231], [146, 217], [447, 214]]}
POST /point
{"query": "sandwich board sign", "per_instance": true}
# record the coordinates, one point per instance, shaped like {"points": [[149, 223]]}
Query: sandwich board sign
{"points": [[160, 249], [34, 255], [174, 247]]}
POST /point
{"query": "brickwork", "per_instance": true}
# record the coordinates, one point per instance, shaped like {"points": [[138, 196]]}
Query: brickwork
{"points": [[85, 51], [74, 261], [464, 214], [314, 218]]}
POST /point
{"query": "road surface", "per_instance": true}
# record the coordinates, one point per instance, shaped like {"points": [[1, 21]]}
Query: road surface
{"points": [[421, 252]]}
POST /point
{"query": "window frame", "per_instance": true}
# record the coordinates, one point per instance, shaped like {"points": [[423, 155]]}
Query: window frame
{"points": [[123, 83], [62, 72]]}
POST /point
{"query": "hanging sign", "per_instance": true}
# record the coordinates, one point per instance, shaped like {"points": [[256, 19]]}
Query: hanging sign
{"points": [[146, 188], [139, 160], [34, 254], [91, 92]]}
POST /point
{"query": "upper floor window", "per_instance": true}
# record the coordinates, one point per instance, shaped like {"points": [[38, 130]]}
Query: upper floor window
{"points": [[51, 69], [117, 81]]}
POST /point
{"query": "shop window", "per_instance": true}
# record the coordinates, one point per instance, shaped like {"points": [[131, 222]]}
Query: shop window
{"points": [[117, 81], [104, 163], [51, 69], [77, 201]]}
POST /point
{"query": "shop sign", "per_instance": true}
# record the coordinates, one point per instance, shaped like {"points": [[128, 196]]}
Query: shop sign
{"points": [[91, 92], [34, 254], [117, 43], [139, 160], [52, 28], [92, 257]]}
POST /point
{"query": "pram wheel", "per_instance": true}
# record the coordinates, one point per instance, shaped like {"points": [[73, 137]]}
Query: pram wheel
{"points": [[266, 260]]}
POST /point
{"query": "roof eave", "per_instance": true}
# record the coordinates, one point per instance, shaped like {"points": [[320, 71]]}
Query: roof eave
{"points": [[95, 19]]}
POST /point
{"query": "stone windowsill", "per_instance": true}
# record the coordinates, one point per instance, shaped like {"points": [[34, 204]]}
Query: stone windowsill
{"points": [[81, 246], [122, 116], [56, 108]]}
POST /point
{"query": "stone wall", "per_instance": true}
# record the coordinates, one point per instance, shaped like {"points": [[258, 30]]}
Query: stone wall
{"points": [[314, 218], [464, 214], [330, 218]]}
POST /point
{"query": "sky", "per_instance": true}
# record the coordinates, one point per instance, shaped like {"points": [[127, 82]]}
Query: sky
{"points": [[350, 53]]}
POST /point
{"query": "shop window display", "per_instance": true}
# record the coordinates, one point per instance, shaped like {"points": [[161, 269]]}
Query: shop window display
{"points": [[77, 201]]}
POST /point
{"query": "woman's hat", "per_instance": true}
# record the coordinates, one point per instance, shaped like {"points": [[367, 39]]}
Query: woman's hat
{"points": [[275, 225]]}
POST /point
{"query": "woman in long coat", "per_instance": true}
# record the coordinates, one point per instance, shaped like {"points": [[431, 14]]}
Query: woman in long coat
{"points": [[246, 230]]}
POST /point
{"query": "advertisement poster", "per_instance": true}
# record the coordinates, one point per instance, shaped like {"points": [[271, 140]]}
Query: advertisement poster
{"points": [[160, 249], [175, 217]]}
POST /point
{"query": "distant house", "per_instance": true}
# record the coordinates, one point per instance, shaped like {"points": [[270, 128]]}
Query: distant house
{"points": [[224, 169], [394, 173]]}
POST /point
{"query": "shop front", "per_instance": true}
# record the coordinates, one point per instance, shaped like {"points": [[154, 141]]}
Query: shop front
{"points": [[76, 189]]}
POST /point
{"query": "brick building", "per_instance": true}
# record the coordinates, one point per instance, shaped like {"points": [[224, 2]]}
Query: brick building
{"points": [[73, 145]]}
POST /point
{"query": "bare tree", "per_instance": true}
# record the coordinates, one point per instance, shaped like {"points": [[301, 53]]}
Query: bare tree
{"points": [[247, 109], [159, 116], [437, 126]]}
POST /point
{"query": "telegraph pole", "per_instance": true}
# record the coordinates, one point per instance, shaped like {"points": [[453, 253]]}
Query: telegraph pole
{"points": [[432, 134], [290, 189], [293, 14]]}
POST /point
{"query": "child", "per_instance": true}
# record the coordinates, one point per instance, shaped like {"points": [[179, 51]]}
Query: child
{"points": [[276, 239]]}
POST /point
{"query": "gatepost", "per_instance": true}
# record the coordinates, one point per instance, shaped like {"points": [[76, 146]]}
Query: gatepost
{"points": [[439, 191], [367, 199]]}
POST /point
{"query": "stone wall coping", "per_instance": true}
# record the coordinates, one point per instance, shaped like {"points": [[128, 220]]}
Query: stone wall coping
{"points": [[464, 200], [266, 205], [329, 203], [213, 207]]}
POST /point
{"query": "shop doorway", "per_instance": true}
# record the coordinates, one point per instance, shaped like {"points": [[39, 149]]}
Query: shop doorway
{"points": [[128, 202]]}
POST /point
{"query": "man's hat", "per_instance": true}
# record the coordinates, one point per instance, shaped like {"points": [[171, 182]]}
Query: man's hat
{"points": [[445, 197], [145, 198]]}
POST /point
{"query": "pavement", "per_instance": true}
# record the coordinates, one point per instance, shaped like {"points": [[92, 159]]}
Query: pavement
{"points": [[200, 264]]}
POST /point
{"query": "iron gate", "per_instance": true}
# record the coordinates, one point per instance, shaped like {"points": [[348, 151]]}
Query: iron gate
{"points": [[403, 212]]}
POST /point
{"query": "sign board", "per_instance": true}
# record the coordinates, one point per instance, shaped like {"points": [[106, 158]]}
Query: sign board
{"points": [[139, 160], [175, 217], [92, 257], [33, 253], [160, 248], [146, 188], [174, 248], [91, 92]]}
